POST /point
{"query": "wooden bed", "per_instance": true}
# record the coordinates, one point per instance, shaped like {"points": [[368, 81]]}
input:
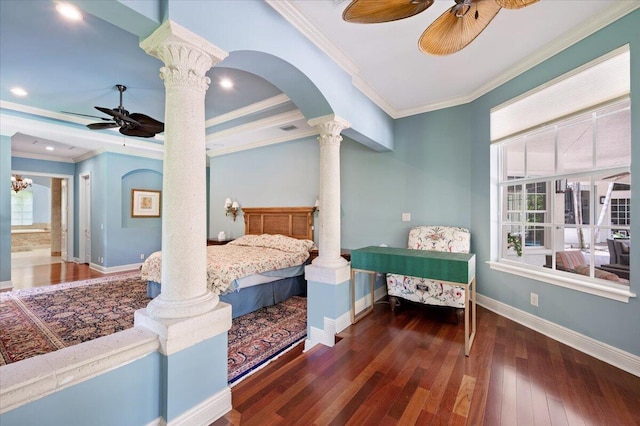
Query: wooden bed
{"points": [[296, 222], [247, 294]]}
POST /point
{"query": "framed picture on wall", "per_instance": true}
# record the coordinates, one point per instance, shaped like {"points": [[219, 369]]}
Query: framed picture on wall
{"points": [[145, 203]]}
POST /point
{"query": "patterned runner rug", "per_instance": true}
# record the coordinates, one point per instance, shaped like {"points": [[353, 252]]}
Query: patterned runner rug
{"points": [[260, 336], [44, 319]]}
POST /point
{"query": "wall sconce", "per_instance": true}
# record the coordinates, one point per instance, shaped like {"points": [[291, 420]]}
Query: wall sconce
{"points": [[231, 208], [18, 183]]}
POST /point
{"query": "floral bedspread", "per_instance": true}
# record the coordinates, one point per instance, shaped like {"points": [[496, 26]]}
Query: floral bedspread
{"points": [[247, 255]]}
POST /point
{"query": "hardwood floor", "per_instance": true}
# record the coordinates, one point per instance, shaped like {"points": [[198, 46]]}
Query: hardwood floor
{"points": [[409, 368], [26, 275]]}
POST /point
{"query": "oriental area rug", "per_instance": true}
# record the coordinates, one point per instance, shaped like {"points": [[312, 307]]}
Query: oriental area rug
{"points": [[44, 319]]}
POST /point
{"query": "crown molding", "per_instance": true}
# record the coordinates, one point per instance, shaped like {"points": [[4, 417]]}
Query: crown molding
{"points": [[248, 110], [360, 84], [610, 15], [292, 14], [289, 11]]}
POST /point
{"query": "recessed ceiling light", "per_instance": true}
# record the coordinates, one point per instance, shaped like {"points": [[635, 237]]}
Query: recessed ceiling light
{"points": [[69, 11], [49, 148], [19, 91], [225, 83]]}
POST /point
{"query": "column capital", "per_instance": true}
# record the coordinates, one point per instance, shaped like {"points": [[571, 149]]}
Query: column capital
{"points": [[187, 57], [329, 125]]}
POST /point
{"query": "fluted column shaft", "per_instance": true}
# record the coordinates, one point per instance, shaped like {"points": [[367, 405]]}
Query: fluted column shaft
{"points": [[329, 191], [187, 58]]}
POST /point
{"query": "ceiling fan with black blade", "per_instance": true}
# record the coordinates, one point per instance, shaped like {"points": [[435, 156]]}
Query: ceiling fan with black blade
{"points": [[130, 124], [452, 31]]}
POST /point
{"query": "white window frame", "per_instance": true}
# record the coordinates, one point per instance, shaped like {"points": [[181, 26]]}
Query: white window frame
{"points": [[573, 281]]}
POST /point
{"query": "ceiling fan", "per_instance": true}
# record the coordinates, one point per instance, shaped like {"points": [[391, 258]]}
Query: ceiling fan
{"points": [[134, 124], [449, 33]]}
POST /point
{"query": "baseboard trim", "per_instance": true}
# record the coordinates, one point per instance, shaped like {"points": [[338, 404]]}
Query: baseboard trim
{"points": [[363, 302], [611, 355], [207, 411], [327, 335], [6, 285], [112, 269]]}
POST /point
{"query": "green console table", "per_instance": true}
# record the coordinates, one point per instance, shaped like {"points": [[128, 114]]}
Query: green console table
{"points": [[451, 268]]}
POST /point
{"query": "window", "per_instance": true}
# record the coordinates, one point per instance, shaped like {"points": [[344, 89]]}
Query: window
{"points": [[22, 207], [563, 183]]}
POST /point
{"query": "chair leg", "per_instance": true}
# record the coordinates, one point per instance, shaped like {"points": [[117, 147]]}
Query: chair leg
{"points": [[393, 302]]}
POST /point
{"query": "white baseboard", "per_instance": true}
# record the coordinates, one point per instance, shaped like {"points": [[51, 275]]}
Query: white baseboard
{"points": [[327, 336], [6, 285], [602, 351], [363, 302], [112, 269], [206, 412]]}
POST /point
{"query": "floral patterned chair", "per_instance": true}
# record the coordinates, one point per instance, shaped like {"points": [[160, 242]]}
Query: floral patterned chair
{"points": [[422, 290]]}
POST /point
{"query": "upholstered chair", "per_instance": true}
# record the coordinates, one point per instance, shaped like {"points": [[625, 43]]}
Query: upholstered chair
{"points": [[422, 290]]}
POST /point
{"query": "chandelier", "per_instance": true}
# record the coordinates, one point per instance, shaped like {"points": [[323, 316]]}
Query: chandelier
{"points": [[18, 183]]}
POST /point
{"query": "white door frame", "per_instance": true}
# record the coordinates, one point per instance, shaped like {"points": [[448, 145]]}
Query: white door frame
{"points": [[70, 209], [64, 219], [84, 218]]}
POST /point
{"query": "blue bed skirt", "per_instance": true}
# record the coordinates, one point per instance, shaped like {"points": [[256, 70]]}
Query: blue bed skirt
{"points": [[252, 298]]}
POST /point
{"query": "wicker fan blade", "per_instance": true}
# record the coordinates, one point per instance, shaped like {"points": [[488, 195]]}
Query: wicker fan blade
{"points": [[457, 27], [101, 126], [147, 124], [376, 11], [136, 131], [515, 4]]}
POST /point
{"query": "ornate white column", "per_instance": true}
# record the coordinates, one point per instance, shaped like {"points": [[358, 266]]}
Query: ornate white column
{"points": [[186, 59], [329, 128]]}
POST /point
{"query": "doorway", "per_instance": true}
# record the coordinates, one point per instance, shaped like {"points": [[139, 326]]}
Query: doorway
{"points": [[84, 220], [41, 225]]}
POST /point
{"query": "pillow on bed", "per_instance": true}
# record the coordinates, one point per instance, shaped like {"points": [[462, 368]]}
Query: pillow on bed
{"points": [[276, 241]]}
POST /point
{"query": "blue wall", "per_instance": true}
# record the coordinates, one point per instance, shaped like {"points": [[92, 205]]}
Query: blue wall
{"points": [[285, 174], [114, 235]]}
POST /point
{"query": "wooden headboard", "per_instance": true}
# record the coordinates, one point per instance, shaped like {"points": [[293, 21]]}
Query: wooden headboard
{"points": [[296, 222]]}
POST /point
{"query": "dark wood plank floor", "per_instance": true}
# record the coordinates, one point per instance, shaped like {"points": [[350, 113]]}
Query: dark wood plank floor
{"points": [[409, 368], [29, 276]]}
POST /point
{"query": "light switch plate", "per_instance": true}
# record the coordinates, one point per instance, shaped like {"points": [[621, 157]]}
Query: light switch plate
{"points": [[406, 217]]}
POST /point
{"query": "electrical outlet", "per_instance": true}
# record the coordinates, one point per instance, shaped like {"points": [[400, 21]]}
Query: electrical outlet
{"points": [[406, 217], [534, 299], [141, 256]]}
